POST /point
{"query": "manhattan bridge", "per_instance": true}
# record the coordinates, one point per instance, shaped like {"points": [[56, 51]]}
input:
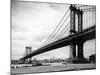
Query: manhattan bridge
{"points": [[80, 27]]}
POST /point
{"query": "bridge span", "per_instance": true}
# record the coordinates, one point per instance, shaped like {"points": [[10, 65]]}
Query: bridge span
{"points": [[76, 38], [84, 35]]}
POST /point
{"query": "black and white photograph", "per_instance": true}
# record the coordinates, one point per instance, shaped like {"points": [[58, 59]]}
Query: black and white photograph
{"points": [[52, 37]]}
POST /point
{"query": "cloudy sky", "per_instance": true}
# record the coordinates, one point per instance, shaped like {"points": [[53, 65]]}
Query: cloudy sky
{"points": [[32, 24]]}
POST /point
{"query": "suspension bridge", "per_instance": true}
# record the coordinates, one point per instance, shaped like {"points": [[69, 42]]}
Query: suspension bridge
{"points": [[77, 26]]}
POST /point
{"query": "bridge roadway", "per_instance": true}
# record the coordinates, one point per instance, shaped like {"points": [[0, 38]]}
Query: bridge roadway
{"points": [[86, 34]]}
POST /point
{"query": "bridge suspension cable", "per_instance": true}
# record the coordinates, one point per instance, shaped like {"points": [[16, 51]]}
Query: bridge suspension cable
{"points": [[61, 28], [54, 31], [88, 16], [67, 27]]}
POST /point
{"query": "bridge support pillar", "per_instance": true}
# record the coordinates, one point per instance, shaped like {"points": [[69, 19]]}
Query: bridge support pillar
{"points": [[72, 51], [80, 50], [80, 19], [29, 60], [80, 57], [80, 54], [72, 31]]}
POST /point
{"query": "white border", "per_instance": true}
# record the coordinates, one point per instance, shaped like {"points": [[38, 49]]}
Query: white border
{"points": [[5, 37]]}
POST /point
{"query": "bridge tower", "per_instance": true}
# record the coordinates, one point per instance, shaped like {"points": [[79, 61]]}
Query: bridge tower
{"points": [[72, 31], [79, 57], [28, 51], [80, 54], [80, 43]]}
